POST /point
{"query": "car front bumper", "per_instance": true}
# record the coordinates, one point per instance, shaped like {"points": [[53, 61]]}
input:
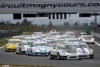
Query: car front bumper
{"points": [[87, 55], [88, 41], [10, 49]]}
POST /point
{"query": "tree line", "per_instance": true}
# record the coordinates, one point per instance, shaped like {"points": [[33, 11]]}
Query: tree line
{"points": [[25, 22]]}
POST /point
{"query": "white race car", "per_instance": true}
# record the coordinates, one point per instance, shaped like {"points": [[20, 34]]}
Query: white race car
{"points": [[38, 48], [88, 39], [22, 47], [64, 52], [87, 51], [83, 50]]}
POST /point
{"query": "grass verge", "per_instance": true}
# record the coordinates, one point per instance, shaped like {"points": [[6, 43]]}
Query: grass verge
{"points": [[8, 65], [4, 41], [27, 33]]}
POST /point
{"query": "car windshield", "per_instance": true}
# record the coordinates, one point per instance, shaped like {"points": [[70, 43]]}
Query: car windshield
{"points": [[71, 40], [87, 37], [30, 43], [68, 48], [77, 40], [48, 41], [77, 46], [40, 44], [14, 41], [84, 46], [53, 41], [72, 34], [24, 43]]}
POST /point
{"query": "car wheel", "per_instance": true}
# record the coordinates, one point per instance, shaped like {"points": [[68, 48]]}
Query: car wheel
{"points": [[65, 58], [17, 52], [92, 42], [5, 50], [28, 53], [58, 56], [80, 58], [50, 56], [92, 57], [20, 52]]}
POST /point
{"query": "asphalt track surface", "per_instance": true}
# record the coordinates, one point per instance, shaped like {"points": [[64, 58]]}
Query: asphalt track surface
{"points": [[12, 58]]}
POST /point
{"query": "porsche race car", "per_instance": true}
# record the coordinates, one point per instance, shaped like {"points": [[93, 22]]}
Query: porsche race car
{"points": [[64, 52], [38, 48], [12, 44]]}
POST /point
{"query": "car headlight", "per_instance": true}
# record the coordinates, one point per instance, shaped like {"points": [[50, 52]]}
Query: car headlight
{"points": [[84, 40], [92, 39], [91, 51], [23, 48]]}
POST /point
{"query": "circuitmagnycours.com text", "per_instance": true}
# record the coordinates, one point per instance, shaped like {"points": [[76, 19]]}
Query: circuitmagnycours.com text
{"points": [[43, 6]]}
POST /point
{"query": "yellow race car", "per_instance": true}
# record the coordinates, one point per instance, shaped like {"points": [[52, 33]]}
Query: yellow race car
{"points": [[12, 44]]}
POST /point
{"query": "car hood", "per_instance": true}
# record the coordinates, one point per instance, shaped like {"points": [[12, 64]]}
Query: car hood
{"points": [[83, 50], [43, 48]]}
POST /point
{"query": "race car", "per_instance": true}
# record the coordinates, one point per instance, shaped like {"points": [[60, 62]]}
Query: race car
{"points": [[12, 44], [71, 34], [83, 33], [22, 47], [88, 51], [38, 48], [83, 50], [18, 37], [88, 39], [64, 52], [53, 31]]}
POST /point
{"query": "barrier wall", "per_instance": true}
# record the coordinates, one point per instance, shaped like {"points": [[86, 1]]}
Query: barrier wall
{"points": [[95, 34], [9, 33]]}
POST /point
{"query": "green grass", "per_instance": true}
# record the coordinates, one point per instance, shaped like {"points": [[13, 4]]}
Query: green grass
{"points": [[4, 41], [14, 65], [27, 33]]}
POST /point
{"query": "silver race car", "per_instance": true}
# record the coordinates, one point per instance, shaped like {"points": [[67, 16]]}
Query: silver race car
{"points": [[64, 52]]}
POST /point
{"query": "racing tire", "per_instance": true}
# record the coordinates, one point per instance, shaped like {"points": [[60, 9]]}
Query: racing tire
{"points": [[50, 56], [28, 53], [91, 57], [17, 53], [58, 56], [5, 50], [92, 43], [65, 58], [20, 52], [80, 58]]}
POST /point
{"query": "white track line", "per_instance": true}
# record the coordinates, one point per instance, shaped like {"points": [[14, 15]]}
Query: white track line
{"points": [[97, 43], [2, 47]]}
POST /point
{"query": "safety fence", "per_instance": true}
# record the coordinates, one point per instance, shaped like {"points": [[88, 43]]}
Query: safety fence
{"points": [[9, 33]]}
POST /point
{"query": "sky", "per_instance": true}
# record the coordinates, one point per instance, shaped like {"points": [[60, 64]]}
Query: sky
{"points": [[72, 19]]}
